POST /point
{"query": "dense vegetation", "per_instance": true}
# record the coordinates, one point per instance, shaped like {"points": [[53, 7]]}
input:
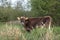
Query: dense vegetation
{"points": [[38, 8], [16, 32]]}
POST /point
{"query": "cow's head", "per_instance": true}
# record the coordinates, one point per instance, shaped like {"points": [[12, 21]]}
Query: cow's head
{"points": [[22, 19]]}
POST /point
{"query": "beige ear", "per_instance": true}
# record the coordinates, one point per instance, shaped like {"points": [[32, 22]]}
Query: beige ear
{"points": [[26, 18], [18, 18]]}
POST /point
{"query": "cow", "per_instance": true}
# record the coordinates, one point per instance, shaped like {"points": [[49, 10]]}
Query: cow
{"points": [[30, 23]]}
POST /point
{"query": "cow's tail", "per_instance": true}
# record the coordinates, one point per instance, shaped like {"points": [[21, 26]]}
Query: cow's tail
{"points": [[50, 23]]}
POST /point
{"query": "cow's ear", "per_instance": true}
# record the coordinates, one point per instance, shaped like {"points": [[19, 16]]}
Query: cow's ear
{"points": [[18, 18], [26, 18]]}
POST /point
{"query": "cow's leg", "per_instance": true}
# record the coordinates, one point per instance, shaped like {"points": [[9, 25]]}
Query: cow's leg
{"points": [[48, 25], [28, 29], [42, 25]]}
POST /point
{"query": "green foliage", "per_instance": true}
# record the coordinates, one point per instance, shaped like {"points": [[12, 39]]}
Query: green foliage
{"points": [[46, 7], [7, 14], [38, 8]]}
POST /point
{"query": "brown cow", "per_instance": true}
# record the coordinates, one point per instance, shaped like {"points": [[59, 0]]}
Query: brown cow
{"points": [[30, 23]]}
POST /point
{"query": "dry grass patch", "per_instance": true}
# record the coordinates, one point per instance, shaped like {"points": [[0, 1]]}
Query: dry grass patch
{"points": [[9, 32]]}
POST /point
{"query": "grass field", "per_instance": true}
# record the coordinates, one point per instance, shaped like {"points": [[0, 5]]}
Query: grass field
{"points": [[16, 32]]}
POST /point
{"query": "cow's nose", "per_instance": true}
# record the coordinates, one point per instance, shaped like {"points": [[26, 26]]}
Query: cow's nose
{"points": [[22, 23]]}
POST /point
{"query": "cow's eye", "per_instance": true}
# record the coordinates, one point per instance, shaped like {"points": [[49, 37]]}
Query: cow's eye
{"points": [[21, 21]]}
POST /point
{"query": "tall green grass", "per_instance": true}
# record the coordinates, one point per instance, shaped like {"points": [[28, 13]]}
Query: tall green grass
{"points": [[17, 32]]}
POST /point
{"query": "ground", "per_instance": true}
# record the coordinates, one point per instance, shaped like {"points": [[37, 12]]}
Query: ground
{"points": [[16, 32]]}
